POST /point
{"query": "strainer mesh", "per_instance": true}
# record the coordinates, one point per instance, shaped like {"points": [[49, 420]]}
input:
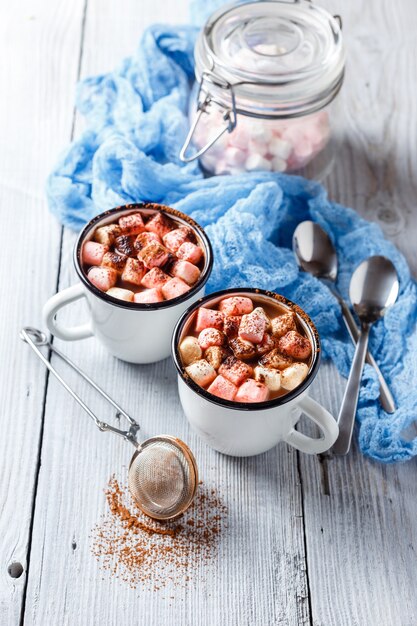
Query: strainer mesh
{"points": [[162, 478]]}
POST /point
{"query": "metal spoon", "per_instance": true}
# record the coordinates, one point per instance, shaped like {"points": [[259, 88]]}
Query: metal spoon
{"points": [[316, 255], [373, 288]]}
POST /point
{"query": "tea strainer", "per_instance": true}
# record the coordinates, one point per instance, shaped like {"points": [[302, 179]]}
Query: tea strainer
{"points": [[163, 475]]}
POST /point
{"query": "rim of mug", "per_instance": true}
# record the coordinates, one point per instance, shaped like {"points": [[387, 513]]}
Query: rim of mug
{"points": [[248, 406], [144, 306]]}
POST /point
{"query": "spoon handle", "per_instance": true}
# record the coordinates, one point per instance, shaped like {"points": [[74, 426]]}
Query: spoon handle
{"points": [[346, 419], [385, 395]]}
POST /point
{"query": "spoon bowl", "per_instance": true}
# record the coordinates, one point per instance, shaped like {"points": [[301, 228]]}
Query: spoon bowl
{"points": [[374, 287], [314, 251]]}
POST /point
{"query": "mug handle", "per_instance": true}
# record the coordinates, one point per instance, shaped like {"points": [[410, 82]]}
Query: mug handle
{"points": [[324, 420], [59, 300]]}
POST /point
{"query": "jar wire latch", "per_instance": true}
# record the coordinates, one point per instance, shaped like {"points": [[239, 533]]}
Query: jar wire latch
{"points": [[229, 117]]}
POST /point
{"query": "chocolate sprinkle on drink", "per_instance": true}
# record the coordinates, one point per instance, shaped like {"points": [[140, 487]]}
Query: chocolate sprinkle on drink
{"points": [[152, 555]]}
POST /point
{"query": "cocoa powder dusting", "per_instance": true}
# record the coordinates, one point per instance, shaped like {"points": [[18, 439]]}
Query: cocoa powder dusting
{"points": [[151, 554]]}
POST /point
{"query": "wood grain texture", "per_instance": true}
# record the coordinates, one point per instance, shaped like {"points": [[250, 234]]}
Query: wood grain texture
{"points": [[361, 533], [37, 74], [375, 169], [310, 541]]}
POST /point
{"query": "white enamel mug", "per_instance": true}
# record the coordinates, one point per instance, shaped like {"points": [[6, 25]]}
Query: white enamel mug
{"points": [[244, 429], [133, 332]]}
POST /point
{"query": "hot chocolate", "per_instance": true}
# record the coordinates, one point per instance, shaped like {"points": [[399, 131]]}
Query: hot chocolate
{"points": [[246, 350], [143, 258]]}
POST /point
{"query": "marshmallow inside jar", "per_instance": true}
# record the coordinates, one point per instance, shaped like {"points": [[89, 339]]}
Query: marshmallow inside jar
{"points": [[267, 77]]}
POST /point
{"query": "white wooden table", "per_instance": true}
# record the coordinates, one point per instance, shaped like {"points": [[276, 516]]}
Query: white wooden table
{"points": [[309, 541]]}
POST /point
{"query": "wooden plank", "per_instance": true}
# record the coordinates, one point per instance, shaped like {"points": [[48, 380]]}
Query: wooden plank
{"points": [[361, 533], [259, 575], [37, 81], [374, 171], [360, 517]]}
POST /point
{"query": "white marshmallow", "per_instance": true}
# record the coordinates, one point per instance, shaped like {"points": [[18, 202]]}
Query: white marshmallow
{"points": [[255, 146], [317, 134], [293, 375], [278, 165], [190, 350], [270, 377], [256, 162], [234, 156], [121, 294], [239, 169], [220, 167], [261, 132], [270, 49], [201, 372], [280, 148]]}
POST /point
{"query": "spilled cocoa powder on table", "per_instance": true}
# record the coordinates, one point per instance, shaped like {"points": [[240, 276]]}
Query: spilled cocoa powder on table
{"points": [[152, 555]]}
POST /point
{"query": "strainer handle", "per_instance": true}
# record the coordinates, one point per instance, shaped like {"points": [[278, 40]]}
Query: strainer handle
{"points": [[27, 334]]}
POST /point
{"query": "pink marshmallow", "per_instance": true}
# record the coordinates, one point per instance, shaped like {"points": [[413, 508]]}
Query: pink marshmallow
{"points": [[235, 370], [239, 137], [174, 288], [132, 224], [148, 296], [188, 272], [175, 238], [134, 271], [303, 151], [252, 391], [223, 388], [252, 327], [155, 278], [208, 318], [236, 305], [104, 278], [160, 224], [190, 252], [92, 253], [210, 337]]}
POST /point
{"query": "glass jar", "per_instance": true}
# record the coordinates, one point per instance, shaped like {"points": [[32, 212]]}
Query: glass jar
{"points": [[267, 75]]}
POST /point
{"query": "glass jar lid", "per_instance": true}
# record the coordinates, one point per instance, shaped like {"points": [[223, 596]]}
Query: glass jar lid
{"points": [[273, 58]]}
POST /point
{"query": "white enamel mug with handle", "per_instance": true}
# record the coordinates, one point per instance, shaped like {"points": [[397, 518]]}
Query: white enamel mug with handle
{"points": [[245, 429], [133, 332]]}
